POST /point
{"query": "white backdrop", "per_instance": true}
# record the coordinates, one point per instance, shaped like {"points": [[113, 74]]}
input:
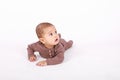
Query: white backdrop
{"points": [[93, 25]]}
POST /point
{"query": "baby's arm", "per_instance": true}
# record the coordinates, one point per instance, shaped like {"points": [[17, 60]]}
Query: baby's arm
{"points": [[52, 61], [56, 60], [31, 55], [59, 56]]}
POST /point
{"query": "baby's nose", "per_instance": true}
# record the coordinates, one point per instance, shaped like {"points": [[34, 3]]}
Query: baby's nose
{"points": [[56, 35]]}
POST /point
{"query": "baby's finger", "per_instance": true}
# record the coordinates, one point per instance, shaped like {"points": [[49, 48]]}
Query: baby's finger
{"points": [[38, 64], [32, 59]]}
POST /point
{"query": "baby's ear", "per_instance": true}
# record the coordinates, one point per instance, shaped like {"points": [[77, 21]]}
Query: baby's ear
{"points": [[41, 40]]}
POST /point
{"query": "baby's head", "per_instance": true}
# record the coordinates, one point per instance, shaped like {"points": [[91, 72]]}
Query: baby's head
{"points": [[47, 34], [41, 27]]}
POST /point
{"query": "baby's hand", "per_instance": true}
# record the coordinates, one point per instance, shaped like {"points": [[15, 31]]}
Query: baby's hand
{"points": [[42, 63], [32, 58]]}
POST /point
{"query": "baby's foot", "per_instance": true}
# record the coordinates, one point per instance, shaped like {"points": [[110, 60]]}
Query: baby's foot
{"points": [[69, 44]]}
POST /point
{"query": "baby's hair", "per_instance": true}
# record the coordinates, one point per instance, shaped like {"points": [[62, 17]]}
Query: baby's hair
{"points": [[40, 28]]}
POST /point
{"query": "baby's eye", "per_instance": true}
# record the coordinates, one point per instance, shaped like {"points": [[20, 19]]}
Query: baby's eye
{"points": [[51, 34]]}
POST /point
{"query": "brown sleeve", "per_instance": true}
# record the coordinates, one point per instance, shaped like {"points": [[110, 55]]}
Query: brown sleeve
{"points": [[30, 51], [56, 60], [59, 56]]}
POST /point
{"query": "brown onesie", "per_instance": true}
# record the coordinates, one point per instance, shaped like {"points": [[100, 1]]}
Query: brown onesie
{"points": [[54, 55]]}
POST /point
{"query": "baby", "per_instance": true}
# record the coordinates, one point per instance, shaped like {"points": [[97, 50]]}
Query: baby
{"points": [[50, 45]]}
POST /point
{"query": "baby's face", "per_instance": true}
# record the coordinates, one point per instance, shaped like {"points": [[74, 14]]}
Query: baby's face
{"points": [[50, 37]]}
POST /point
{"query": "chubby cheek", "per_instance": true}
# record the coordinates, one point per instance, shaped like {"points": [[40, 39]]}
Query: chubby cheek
{"points": [[49, 40]]}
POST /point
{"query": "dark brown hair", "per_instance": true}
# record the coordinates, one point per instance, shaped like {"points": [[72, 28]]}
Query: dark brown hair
{"points": [[40, 28]]}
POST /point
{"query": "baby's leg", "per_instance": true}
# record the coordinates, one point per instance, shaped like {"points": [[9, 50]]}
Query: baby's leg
{"points": [[66, 44]]}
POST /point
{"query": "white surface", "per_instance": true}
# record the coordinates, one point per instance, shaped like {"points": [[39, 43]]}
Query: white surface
{"points": [[93, 25]]}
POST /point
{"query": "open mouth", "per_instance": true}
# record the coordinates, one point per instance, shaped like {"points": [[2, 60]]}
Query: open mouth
{"points": [[56, 40]]}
